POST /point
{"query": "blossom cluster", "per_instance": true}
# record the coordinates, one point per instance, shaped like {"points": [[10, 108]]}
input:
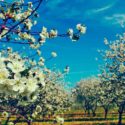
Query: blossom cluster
{"points": [[18, 20], [18, 77], [26, 85]]}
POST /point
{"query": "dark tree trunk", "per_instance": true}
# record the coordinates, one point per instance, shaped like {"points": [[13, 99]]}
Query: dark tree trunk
{"points": [[93, 113], [85, 112], [88, 112], [120, 111], [120, 118], [16, 121], [106, 113], [93, 109], [29, 123]]}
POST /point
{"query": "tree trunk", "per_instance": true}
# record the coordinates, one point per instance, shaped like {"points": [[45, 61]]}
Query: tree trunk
{"points": [[120, 118], [106, 113], [29, 123], [85, 112], [88, 112], [93, 113], [16, 121], [121, 109]]}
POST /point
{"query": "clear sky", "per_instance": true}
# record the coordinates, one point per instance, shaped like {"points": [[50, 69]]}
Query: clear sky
{"points": [[103, 18]]}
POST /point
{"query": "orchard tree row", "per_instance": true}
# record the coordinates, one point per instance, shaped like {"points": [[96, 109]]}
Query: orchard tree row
{"points": [[108, 89]]}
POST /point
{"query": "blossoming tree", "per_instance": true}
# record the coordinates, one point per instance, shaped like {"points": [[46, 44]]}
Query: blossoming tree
{"points": [[105, 96], [86, 93], [113, 72], [23, 81]]}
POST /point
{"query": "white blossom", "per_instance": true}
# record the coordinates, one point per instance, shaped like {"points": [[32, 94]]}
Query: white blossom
{"points": [[54, 54]]}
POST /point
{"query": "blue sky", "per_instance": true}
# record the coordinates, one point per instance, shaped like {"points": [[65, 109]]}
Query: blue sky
{"points": [[102, 19]]}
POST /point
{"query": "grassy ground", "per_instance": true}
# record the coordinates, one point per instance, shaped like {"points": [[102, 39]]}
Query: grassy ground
{"points": [[78, 123], [79, 118]]}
